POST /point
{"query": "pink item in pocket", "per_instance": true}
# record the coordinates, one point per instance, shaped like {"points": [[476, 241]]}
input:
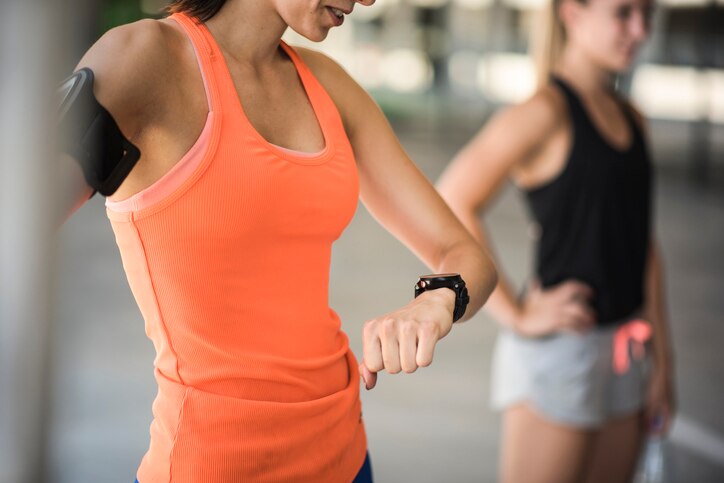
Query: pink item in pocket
{"points": [[637, 331]]}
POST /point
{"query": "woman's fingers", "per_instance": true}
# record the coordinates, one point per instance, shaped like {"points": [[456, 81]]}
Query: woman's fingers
{"points": [[585, 314], [371, 348], [369, 377], [390, 348], [656, 418], [425, 347], [392, 344], [576, 313], [578, 317], [660, 404], [408, 347], [576, 290]]}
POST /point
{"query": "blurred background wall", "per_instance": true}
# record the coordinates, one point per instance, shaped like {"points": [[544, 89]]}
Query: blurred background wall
{"points": [[438, 68], [452, 62]]}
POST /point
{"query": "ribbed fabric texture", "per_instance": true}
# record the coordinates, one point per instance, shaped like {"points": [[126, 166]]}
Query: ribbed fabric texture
{"points": [[231, 272]]}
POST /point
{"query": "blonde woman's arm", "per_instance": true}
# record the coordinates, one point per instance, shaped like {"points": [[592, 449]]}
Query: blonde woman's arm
{"points": [[517, 143]]}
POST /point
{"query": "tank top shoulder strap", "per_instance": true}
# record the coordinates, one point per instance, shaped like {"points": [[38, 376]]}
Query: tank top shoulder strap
{"points": [[206, 53], [579, 117], [311, 84], [302, 69], [320, 99], [628, 112]]}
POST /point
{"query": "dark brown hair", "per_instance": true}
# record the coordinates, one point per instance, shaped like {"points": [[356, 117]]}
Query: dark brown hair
{"points": [[201, 9]]}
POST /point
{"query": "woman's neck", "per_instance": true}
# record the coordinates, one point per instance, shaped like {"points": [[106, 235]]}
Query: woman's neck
{"points": [[580, 70], [249, 31]]}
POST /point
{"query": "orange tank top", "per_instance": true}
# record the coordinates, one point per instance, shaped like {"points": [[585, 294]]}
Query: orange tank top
{"points": [[228, 258]]}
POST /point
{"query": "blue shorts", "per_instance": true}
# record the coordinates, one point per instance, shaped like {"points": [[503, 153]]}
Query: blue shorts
{"points": [[364, 475]]}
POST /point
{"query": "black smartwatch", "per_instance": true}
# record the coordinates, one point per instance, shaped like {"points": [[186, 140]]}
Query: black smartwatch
{"points": [[452, 281]]}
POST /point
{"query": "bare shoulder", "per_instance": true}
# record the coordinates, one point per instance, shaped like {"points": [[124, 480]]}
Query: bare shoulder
{"points": [[538, 116], [523, 129], [343, 89], [129, 63], [143, 38], [328, 71]]}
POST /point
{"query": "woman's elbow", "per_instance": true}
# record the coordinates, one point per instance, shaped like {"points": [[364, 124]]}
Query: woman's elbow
{"points": [[490, 277]]}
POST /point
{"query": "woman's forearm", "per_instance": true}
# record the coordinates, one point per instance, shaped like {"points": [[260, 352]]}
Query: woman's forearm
{"points": [[502, 303], [475, 267], [655, 309]]}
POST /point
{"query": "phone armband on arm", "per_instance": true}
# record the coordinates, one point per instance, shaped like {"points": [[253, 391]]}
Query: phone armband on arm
{"points": [[90, 135]]}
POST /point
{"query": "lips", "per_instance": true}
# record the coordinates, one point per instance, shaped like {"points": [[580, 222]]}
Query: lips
{"points": [[336, 15]]}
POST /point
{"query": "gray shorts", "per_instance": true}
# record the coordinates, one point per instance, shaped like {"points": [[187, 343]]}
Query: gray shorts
{"points": [[568, 378]]}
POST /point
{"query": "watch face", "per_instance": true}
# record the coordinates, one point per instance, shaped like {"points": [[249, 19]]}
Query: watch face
{"points": [[440, 275]]}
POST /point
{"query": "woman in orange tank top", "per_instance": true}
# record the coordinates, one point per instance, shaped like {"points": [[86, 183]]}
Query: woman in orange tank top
{"points": [[253, 157]]}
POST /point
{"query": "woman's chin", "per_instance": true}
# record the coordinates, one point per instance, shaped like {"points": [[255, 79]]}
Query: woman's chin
{"points": [[626, 61], [619, 66], [314, 35]]}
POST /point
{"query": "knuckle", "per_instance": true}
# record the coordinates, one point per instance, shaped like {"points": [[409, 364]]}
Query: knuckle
{"points": [[388, 326], [374, 324], [429, 330], [408, 328]]}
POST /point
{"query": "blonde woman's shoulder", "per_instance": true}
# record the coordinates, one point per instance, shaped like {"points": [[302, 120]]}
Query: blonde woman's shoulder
{"points": [[546, 107], [533, 120]]}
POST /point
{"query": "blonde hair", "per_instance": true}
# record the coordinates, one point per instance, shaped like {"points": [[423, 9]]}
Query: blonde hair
{"points": [[548, 40]]}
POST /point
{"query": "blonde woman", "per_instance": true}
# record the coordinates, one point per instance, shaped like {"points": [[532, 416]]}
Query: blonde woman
{"points": [[576, 406]]}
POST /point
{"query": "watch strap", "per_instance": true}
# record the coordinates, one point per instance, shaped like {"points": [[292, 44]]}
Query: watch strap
{"points": [[454, 282]]}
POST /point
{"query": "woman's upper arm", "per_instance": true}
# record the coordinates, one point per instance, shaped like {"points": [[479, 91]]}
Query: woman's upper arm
{"points": [[126, 62], [506, 144]]}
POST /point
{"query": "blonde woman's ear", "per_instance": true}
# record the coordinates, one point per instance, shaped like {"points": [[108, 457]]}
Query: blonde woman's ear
{"points": [[569, 12]]}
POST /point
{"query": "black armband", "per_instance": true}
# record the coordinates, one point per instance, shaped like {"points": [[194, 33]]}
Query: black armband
{"points": [[90, 135]]}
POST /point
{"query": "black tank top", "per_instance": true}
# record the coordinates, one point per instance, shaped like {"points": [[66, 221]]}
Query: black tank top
{"points": [[594, 217]]}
